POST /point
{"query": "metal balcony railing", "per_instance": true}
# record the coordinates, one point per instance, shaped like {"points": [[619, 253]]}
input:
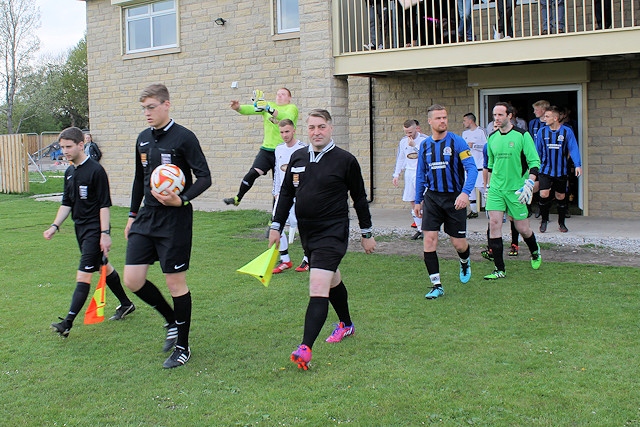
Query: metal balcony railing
{"points": [[372, 25]]}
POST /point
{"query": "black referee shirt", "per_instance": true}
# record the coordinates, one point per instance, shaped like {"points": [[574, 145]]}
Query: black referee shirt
{"points": [[86, 191], [173, 144], [321, 189]]}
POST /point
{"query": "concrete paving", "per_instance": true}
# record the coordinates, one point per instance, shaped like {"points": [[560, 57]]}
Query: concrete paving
{"points": [[587, 228]]}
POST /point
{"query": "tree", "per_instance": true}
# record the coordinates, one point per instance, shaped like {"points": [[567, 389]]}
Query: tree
{"points": [[69, 88], [19, 20]]}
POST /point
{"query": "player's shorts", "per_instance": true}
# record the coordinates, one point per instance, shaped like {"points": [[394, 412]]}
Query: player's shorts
{"points": [[161, 234], [506, 201], [265, 161], [324, 242], [88, 236], [556, 183], [409, 194], [439, 208]]}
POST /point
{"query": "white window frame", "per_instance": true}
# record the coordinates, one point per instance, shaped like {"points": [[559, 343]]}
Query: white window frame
{"points": [[279, 12], [149, 15]]}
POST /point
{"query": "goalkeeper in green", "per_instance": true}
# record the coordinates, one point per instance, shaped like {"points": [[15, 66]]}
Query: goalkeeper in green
{"points": [[511, 158], [272, 113]]}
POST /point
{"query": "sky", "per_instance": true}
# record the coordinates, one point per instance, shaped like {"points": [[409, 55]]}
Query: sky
{"points": [[63, 23]]}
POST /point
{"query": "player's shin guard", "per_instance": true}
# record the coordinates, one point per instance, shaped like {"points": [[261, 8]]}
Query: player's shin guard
{"points": [[247, 182], [115, 285], [531, 242], [545, 206], [339, 298], [432, 263], [464, 256], [78, 299], [150, 294], [182, 309], [498, 256], [317, 311], [514, 233], [562, 211]]}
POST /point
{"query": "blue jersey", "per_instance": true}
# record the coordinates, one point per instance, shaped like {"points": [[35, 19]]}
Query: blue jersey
{"points": [[554, 148], [442, 165], [534, 126]]}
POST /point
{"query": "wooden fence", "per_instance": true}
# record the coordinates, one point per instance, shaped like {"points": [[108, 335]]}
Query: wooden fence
{"points": [[14, 164]]}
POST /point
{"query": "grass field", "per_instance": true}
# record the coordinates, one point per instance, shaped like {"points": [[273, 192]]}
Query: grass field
{"points": [[554, 347]]}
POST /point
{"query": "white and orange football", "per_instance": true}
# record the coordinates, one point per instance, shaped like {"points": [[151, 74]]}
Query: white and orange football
{"points": [[167, 178]]}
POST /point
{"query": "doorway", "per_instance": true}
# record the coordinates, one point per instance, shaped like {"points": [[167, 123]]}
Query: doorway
{"points": [[568, 97]]}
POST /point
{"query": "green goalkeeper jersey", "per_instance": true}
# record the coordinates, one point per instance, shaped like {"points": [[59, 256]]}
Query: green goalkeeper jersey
{"points": [[510, 157], [272, 136]]}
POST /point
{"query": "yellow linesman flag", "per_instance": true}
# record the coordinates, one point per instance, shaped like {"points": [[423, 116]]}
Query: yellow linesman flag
{"points": [[262, 266], [95, 311]]}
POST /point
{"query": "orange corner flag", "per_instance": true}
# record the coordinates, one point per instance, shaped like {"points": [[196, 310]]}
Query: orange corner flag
{"points": [[95, 311], [262, 266]]}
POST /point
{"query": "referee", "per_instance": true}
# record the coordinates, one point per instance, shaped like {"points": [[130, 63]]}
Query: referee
{"points": [[441, 185], [86, 197], [162, 229], [320, 179]]}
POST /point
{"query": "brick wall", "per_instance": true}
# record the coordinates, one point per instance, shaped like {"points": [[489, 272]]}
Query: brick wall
{"points": [[614, 138]]}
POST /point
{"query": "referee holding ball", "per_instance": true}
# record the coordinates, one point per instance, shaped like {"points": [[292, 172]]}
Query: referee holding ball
{"points": [[162, 229]]}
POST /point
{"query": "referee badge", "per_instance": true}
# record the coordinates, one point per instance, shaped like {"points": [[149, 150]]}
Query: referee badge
{"points": [[296, 180], [143, 159]]}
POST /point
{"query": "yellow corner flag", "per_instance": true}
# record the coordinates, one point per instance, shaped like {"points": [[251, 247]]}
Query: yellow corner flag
{"points": [[95, 311], [262, 266]]}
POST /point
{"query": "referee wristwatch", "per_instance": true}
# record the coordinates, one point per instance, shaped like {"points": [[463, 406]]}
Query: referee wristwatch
{"points": [[185, 202], [367, 235]]}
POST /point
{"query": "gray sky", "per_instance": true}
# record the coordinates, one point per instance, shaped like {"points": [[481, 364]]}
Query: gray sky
{"points": [[63, 25]]}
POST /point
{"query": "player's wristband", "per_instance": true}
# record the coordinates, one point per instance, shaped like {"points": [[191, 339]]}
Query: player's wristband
{"points": [[133, 214], [56, 226]]}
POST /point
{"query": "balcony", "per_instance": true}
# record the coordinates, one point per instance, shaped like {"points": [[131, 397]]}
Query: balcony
{"points": [[378, 37]]}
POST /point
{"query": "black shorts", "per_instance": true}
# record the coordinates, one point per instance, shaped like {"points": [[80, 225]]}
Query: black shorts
{"points": [[438, 209], [324, 242], [265, 160], [161, 234], [88, 236], [557, 184]]}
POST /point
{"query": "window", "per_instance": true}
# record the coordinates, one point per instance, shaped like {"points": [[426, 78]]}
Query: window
{"points": [[151, 26], [288, 16]]}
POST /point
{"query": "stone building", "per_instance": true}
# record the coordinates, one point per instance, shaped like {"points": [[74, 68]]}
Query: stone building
{"points": [[322, 52]]}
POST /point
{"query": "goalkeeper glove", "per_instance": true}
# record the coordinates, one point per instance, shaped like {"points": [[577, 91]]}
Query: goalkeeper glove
{"points": [[526, 192], [258, 101]]}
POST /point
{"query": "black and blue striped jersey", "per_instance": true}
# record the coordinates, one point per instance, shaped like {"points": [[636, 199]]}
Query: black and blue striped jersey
{"points": [[442, 165], [554, 148]]}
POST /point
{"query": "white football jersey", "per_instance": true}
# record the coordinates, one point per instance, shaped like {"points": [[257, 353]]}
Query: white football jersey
{"points": [[283, 155]]}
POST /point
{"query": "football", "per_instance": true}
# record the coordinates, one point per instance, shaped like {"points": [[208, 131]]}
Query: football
{"points": [[167, 178]]}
